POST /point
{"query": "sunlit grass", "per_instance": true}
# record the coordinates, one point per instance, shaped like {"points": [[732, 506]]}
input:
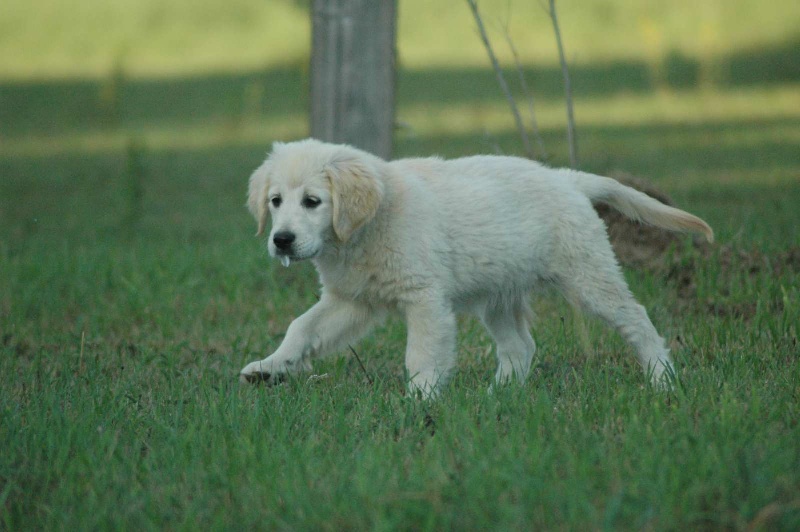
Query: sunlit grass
{"points": [[91, 38], [626, 109], [178, 137], [56, 39]]}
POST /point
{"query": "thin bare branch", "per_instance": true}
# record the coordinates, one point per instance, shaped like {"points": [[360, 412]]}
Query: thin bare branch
{"points": [[526, 144], [358, 358], [528, 94], [571, 137]]}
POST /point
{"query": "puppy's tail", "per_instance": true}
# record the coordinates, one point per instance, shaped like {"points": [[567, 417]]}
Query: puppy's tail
{"points": [[638, 205]]}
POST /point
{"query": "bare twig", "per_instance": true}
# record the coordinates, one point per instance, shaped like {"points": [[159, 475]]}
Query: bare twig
{"points": [[571, 138], [524, 85], [80, 356], [358, 358], [501, 79]]}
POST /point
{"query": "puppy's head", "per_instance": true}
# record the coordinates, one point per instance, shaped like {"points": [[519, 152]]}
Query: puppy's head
{"points": [[315, 193]]}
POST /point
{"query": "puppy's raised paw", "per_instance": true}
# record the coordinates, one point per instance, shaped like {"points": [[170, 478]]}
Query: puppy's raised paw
{"points": [[262, 377]]}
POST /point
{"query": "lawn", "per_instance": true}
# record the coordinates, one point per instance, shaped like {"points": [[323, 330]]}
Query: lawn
{"points": [[132, 289]]}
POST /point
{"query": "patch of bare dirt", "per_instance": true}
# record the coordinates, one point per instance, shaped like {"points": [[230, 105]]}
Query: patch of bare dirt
{"points": [[645, 247], [638, 245], [732, 262]]}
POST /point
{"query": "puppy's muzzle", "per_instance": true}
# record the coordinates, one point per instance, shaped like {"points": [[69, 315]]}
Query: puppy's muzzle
{"points": [[283, 240]]}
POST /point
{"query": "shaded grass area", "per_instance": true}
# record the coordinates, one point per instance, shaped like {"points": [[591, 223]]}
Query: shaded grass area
{"points": [[59, 107], [132, 291]]}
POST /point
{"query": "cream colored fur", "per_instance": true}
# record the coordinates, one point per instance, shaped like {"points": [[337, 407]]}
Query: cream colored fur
{"points": [[429, 238]]}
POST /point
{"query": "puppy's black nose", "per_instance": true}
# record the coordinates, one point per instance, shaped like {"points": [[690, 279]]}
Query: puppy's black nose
{"points": [[283, 240]]}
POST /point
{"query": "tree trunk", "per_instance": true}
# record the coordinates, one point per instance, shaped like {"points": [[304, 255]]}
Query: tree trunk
{"points": [[353, 73]]}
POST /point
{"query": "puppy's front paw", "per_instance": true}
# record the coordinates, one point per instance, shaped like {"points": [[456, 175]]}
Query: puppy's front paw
{"points": [[259, 372], [261, 377]]}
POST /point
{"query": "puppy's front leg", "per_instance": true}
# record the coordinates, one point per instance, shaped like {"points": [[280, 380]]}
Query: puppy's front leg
{"points": [[325, 328], [430, 351]]}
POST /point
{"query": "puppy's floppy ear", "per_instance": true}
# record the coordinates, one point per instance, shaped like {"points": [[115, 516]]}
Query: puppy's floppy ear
{"points": [[356, 193], [257, 195]]}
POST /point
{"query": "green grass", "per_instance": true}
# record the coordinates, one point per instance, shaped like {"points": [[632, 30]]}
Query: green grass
{"points": [[94, 38], [132, 290]]}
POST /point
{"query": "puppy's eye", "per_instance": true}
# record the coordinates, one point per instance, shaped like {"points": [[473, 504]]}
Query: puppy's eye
{"points": [[276, 201], [311, 202]]}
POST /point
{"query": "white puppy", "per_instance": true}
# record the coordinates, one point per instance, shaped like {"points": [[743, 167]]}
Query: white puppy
{"points": [[430, 238]]}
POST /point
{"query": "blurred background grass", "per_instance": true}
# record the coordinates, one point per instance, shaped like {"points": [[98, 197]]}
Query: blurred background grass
{"points": [[688, 93], [150, 38], [145, 118], [84, 76]]}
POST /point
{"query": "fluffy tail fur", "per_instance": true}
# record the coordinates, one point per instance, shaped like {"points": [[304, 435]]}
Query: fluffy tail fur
{"points": [[639, 206]]}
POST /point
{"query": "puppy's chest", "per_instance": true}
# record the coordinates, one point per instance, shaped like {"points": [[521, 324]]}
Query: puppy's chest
{"points": [[375, 280]]}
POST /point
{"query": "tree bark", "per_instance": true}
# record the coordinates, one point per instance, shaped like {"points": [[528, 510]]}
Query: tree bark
{"points": [[353, 73]]}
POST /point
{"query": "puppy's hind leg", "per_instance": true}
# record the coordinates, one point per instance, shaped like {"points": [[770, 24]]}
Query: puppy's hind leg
{"points": [[594, 281], [508, 323]]}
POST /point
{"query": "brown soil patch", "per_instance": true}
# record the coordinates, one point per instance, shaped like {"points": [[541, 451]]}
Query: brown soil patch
{"points": [[732, 262], [638, 245], [645, 247]]}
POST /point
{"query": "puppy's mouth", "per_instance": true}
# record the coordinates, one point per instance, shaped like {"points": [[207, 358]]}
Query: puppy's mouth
{"points": [[287, 258]]}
